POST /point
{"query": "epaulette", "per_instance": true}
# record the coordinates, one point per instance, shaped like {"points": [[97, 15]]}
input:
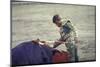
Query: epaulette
{"points": [[68, 21]]}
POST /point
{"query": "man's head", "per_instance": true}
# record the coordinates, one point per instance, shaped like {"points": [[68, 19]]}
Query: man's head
{"points": [[57, 20]]}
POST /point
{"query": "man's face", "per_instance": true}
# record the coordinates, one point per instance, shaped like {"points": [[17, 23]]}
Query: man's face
{"points": [[58, 22]]}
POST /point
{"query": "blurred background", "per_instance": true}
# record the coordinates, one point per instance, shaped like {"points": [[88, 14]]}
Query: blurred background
{"points": [[32, 20]]}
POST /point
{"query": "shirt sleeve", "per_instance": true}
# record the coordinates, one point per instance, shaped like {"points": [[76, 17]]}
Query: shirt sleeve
{"points": [[64, 35]]}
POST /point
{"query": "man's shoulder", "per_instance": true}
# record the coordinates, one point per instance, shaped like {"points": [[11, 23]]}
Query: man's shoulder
{"points": [[66, 22], [66, 26]]}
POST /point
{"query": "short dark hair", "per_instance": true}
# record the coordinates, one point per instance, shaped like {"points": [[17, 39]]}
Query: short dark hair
{"points": [[55, 17]]}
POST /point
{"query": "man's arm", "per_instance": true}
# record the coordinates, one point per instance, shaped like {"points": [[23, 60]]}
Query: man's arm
{"points": [[57, 43], [64, 36], [62, 40]]}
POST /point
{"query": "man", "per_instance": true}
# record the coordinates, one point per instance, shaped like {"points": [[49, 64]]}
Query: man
{"points": [[68, 35]]}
